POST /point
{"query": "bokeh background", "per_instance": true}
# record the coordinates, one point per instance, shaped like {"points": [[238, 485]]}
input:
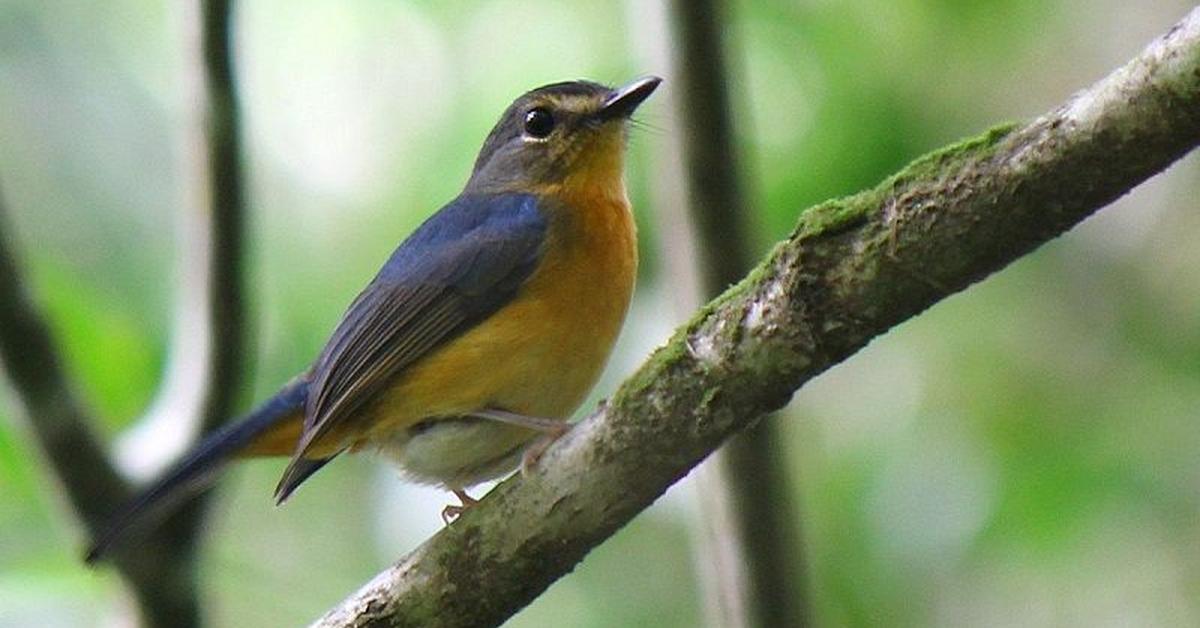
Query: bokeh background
{"points": [[1025, 453]]}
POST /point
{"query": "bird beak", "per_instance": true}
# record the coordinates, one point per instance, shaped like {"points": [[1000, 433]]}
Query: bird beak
{"points": [[623, 101]]}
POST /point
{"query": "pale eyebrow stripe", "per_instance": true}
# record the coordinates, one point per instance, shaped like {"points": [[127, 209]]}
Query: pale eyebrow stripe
{"points": [[572, 103]]}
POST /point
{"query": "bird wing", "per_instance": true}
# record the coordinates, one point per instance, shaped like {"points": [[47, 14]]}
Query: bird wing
{"points": [[462, 265]]}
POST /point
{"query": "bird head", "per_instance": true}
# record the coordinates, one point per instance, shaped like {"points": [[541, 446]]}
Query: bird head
{"points": [[563, 134]]}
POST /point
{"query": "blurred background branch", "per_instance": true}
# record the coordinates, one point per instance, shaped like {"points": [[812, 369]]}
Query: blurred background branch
{"points": [[162, 584], [208, 361], [216, 138], [208, 356], [59, 422], [751, 528], [852, 269]]}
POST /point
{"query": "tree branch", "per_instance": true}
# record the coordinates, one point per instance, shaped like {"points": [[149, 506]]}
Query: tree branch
{"points": [[62, 427], [210, 334], [221, 143], [209, 343], [208, 346], [749, 521], [63, 430], [852, 269]]}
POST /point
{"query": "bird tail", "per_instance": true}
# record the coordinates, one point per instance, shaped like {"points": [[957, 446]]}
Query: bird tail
{"points": [[271, 429]]}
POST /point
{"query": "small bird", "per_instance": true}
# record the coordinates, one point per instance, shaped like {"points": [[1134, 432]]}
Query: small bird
{"points": [[483, 331]]}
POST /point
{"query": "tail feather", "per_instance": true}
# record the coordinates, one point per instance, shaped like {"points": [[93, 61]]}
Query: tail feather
{"points": [[199, 468], [296, 473]]}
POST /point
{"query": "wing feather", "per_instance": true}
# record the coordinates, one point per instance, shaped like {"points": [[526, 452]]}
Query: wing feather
{"points": [[463, 264]]}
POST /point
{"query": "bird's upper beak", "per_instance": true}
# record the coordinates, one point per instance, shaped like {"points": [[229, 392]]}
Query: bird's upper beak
{"points": [[624, 100]]}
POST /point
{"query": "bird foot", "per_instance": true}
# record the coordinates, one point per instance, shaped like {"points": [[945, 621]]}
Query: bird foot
{"points": [[452, 512]]}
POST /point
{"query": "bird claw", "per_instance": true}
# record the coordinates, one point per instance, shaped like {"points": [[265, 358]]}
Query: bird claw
{"points": [[452, 512]]}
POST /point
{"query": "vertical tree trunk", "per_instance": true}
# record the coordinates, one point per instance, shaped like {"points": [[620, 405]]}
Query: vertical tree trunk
{"points": [[751, 529]]}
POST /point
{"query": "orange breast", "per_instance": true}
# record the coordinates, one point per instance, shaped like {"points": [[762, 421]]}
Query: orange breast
{"points": [[540, 354]]}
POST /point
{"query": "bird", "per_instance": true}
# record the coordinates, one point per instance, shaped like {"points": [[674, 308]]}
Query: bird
{"points": [[482, 333]]}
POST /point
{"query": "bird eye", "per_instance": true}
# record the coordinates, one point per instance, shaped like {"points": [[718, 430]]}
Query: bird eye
{"points": [[539, 123]]}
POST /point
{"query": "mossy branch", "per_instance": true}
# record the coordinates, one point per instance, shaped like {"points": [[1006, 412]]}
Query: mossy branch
{"points": [[749, 525], [852, 269]]}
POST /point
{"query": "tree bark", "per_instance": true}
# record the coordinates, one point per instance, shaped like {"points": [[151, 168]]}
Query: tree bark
{"points": [[851, 269], [750, 530]]}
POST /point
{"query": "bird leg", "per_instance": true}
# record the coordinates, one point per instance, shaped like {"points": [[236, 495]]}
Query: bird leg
{"points": [[452, 512], [535, 450], [551, 429]]}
